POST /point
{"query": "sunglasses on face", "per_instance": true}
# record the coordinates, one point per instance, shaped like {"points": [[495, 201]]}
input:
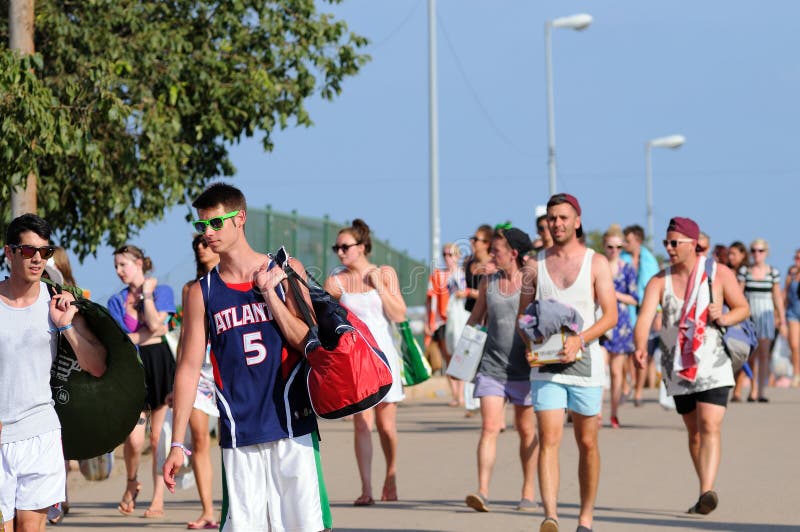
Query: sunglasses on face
{"points": [[674, 243], [28, 251], [611, 246], [541, 228], [448, 254], [476, 239], [216, 223], [757, 250], [343, 247]]}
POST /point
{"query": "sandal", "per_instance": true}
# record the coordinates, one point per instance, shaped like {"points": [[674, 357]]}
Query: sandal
{"points": [[549, 525], [128, 506], [364, 500], [153, 514]]}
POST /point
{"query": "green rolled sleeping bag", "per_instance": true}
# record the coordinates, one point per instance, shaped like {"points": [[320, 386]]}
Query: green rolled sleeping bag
{"points": [[97, 414]]}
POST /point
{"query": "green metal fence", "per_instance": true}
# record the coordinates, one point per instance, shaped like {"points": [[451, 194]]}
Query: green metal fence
{"points": [[310, 240]]}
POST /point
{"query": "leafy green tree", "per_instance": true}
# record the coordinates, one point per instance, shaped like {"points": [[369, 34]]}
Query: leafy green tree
{"points": [[128, 105]]}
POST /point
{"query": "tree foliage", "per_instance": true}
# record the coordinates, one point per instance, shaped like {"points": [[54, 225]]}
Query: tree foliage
{"points": [[128, 105]]}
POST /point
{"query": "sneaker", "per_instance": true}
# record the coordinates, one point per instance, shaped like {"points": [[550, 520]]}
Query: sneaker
{"points": [[477, 502], [706, 504], [526, 505], [55, 514]]}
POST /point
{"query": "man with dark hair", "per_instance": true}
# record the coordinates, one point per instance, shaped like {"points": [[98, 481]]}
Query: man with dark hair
{"points": [[32, 475], [697, 371], [646, 266], [244, 310], [543, 232], [575, 276]]}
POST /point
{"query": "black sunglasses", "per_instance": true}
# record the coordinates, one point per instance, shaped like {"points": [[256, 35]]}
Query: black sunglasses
{"points": [[476, 239], [343, 247], [541, 228], [610, 246], [29, 251]]}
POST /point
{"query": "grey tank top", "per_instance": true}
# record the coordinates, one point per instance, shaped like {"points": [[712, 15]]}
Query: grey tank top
{"points": [[504, 352]]}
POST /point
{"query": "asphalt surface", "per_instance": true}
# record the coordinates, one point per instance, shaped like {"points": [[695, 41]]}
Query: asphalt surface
{"points": [[647, 480]]}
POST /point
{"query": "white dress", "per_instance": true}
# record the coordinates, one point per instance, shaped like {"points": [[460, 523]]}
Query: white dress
{"points": [[369, 308]]}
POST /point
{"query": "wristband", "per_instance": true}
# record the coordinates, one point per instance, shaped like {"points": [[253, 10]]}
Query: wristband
{"points": [[64, 328], [182, 447], [583, 343]]}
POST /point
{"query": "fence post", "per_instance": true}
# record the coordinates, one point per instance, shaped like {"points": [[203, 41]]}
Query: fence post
{"points": [[294, 232], [269, 228], [326, 222]]}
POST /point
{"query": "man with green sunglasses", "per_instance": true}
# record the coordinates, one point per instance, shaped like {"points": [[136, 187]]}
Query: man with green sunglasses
{"points": [[32, 475], [244, 310]]}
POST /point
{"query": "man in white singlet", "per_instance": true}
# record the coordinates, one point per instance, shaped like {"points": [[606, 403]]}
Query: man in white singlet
{"points": [[576, 276], [697, 371], [32, 475]]}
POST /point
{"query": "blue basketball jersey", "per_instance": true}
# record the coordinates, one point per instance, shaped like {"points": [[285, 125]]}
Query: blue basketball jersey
{"points": [[260, 381]]}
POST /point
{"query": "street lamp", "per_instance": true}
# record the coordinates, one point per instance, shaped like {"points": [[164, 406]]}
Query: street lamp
{"points": [[672, 142], [574, 22]]}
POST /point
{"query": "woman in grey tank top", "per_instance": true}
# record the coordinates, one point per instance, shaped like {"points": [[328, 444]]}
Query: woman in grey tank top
{"points": [[504, 373]]}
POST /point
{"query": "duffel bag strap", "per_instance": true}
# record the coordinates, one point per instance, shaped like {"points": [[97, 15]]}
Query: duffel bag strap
{"points": [[292, 277]]}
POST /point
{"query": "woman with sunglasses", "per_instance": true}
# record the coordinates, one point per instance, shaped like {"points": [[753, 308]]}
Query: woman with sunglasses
{"points": [[619, 340], [142, 309], [373, 294], [205, 404], [793, 316], [762, 287]]}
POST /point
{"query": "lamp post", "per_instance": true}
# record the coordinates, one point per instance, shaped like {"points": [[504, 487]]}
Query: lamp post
{"points": [[574, 22], [433, 125], [672, 142]]}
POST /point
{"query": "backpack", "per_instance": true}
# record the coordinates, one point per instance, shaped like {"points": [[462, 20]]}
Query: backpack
{"points": [[347, 372], [738, 340]]}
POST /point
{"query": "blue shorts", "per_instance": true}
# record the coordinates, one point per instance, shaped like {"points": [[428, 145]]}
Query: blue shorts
{"points": [[793, 312], [515, 392], [583, 400]]}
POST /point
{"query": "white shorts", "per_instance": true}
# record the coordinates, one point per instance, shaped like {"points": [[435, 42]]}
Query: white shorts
{"points": [[275, 486], [32, 475]]}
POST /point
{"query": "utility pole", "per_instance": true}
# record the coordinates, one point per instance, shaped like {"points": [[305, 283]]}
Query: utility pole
{"points": [[20, 20], [433, 118]]}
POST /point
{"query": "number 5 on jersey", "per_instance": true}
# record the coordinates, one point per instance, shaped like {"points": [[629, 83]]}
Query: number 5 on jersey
{"points": [[253, 344]]}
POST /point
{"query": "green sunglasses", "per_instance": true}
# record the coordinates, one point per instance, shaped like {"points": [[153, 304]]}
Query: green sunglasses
{"points": [[216, 223]]}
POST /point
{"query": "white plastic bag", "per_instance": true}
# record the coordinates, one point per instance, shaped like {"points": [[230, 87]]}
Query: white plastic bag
{"points": [[781, 357], [185, 477], [467, 354]]}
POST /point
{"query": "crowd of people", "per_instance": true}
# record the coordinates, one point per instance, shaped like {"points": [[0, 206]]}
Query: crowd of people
{"points": [[631, 320]]}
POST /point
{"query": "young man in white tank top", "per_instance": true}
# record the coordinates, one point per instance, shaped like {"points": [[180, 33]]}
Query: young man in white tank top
{"points": [[32, 473], [574, 275], [702, 399]]}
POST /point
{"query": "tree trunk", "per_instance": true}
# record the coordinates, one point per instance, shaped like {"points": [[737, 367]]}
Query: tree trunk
{"points": [[20, 19]]}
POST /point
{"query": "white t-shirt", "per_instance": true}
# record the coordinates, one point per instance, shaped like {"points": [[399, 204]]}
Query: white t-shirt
{"points": [[27, 350]]}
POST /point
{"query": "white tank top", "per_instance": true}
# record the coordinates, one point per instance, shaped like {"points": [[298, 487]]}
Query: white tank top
{"points": [[27, 351], [579, 295]]}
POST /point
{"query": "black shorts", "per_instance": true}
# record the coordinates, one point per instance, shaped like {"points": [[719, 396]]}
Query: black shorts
{"points": [[686, 404], [438, 334]]}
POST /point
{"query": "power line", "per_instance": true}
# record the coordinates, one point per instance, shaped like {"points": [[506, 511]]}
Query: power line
{"points": [[396, 30]]}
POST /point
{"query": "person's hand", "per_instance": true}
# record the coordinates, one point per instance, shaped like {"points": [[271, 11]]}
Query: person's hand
{"points": [[715, 313], [149, 285], [170, 399], [172, 466], [783, 330], [572, 346], [640, 358], [61, 311], [427, 330], [462, 294], [266, 280]]}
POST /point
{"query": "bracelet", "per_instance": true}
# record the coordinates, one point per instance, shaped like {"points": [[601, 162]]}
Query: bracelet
{"points": [[64, 328], [583, 342], [182, 447], [144, 296]]}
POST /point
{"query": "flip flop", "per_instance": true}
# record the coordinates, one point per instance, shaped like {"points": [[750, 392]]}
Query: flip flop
{"points": [[364, 501], [203, 524], [153, 514], [128, 507]]}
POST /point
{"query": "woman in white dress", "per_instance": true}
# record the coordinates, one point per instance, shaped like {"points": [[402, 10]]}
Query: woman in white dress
{"points": [[373, 294]]}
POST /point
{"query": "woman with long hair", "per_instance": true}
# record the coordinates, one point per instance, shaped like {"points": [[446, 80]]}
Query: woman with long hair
{"points": [[372, 293], [793, 316], [762, 287], [204, 404], [619, 340], [737, 256], [142, 309]]}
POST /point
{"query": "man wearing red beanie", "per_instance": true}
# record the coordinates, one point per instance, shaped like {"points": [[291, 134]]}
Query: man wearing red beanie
{"points": [[578, 277], [697, 371]]}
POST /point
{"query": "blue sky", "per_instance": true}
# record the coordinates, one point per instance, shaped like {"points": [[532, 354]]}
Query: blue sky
{"points": [[724, 74]]}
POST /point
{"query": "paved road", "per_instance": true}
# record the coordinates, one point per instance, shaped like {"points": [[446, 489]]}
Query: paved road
{"points": [[647, 481]]}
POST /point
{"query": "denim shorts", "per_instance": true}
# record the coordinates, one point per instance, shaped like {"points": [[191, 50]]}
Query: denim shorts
{"points": [[793, 312], [583, 400], [515, 392]]}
